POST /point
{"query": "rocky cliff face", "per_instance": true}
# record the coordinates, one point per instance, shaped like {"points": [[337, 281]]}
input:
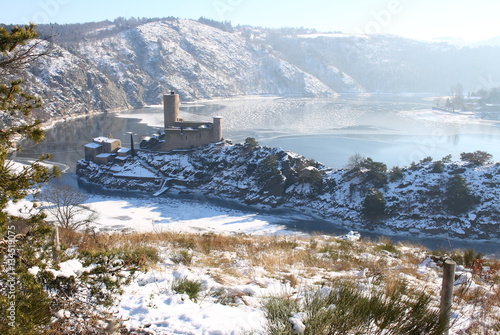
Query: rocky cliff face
{"points": [[135, 67], [415, 199], [70, 85], [106, 66]]}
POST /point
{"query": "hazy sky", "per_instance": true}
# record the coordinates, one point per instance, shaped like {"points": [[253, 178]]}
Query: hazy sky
{"points": [[421, 19]]}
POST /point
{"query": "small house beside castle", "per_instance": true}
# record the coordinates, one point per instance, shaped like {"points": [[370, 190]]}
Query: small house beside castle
{"points": [[103, 150]]}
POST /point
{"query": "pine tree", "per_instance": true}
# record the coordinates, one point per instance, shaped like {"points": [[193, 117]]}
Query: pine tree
{"points": [[25, 304], [17, 50], [458, 195], [374, 203]]}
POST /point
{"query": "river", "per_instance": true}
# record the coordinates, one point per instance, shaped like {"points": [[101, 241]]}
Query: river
{"points": [[394, 129]]}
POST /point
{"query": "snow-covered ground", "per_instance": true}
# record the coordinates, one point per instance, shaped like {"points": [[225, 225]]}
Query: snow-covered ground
{"points": [[233, 288]]}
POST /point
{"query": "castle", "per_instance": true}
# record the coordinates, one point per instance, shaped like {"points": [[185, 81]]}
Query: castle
{"points": [[178, 134]]}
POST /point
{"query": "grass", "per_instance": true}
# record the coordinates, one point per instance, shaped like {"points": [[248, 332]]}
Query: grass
{"points": [[190, 287], [342, 307], [307, 268], [387, 245], [182, 256]]}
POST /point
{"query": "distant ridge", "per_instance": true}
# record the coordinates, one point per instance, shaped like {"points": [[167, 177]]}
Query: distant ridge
{"points": [[107, 66]]}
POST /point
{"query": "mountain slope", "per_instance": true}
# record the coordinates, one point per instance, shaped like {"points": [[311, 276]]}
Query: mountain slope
{"points": [[106, 66]]}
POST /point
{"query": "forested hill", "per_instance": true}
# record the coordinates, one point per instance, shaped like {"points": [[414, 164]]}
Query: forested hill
{"points": [[130, 63]]}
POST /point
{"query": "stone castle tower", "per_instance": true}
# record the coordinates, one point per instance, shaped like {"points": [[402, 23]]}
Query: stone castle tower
{"points": [[170, 109]]}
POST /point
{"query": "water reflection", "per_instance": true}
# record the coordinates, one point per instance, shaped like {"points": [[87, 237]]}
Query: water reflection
{"points": [[393, 130], [65, 140]]}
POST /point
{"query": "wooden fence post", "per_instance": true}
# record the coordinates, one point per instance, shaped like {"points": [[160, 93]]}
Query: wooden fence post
{"points": [[447, 293]]}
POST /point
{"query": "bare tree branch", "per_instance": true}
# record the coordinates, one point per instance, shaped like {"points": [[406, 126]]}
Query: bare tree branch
{"points": [[66, 205]]}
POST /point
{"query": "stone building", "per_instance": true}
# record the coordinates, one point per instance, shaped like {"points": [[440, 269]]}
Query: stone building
{"points": [[180, 134], [103, 150]]}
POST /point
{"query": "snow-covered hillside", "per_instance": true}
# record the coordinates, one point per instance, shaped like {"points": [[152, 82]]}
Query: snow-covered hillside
{"points": [[106, 66], [414, 200], [70, 86]]}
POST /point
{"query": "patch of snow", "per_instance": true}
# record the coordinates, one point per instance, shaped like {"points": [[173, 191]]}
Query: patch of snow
{"points": [[70, 268]]}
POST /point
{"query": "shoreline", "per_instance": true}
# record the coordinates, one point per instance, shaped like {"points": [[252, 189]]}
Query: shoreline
{"points": [[432, 242]]}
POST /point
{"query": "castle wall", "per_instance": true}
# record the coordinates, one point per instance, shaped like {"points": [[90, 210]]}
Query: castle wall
{"points": [[92, 150], [181, 134], [176, 138], [108, 144], [217, 128]]}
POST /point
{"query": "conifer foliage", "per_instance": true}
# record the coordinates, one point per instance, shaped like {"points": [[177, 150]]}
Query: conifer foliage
{"points": [[16, 51], [25, 305], [36, 297]]}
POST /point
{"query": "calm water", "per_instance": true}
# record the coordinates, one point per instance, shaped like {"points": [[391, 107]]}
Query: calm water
{"points": [[395, 130]]}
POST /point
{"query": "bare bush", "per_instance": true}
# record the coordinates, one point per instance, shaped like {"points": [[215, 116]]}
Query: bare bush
{"points": [[66, 205]]}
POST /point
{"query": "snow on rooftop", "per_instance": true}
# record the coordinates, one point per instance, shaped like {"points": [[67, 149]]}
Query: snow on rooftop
{"points": [[105, 155], [92, 145], [103, 139]]}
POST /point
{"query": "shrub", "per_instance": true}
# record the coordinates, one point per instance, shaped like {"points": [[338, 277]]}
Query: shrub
{"points": [[437, 167], [133, 258], [250, 144], [190, 287], [396, 174], [32, 307], [374, 203], [88, 294], [446, 159], [466, 258], [313, 177], [427, 159], [387, 246], [182, 257], [476, 158], [268, 168], [141, 257], [354, 162], [458, 195], [227, 297], [278, 312], [376, 172], [110, 269], [344, 308]]}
